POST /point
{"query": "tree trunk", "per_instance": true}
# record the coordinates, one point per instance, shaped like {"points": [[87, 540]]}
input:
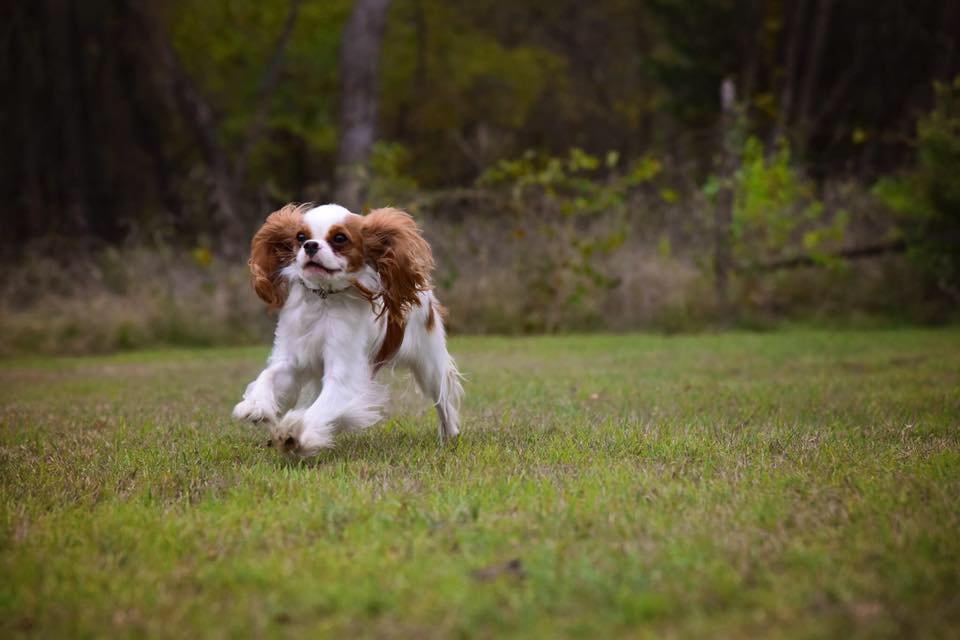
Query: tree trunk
{"points": [[723, 221], [65, 51], [359, 63], [200, 121], [794, 33], [228, 176], [811, 76]]}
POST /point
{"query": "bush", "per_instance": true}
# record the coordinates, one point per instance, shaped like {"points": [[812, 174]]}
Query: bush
{"points": [[776, 212], [579, 204], [926, 199], [129, 298]]}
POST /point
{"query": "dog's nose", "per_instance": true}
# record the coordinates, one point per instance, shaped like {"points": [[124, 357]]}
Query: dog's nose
{"points": [[311, 247]]}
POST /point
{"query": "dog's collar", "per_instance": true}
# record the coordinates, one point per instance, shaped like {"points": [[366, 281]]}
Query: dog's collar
{"points": [[322, 293]]}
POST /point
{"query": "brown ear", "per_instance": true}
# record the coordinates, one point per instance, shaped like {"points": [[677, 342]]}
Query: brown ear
{"points": [[273, 248], [393, 245]]}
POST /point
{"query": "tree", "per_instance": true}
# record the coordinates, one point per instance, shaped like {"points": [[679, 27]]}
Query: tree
{"points": [[227, 169], [359, 65], [927, 196], [722, 260]]}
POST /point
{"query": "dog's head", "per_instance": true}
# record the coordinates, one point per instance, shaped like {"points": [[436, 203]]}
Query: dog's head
{"points": [[330, 248]]}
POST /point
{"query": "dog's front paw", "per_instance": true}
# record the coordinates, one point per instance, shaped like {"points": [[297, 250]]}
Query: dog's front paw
{"points": [[251, 410], [291, 436]]}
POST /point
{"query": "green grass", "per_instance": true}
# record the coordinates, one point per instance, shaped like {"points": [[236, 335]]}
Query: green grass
{"points": [[803, 483]]}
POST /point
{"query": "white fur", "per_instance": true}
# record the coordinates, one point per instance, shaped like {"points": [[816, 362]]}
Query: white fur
{"points": [[333, 340]]}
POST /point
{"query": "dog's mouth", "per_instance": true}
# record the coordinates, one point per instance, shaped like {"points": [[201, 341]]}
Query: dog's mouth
{"points": [[316, 267]]}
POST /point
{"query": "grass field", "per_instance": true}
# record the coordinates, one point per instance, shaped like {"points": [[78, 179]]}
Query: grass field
{"points": [[792, 484]]}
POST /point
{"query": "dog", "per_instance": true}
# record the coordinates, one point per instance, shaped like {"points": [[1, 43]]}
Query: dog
{"points": [[354, 295]]}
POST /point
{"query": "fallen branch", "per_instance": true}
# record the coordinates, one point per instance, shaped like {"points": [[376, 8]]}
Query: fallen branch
{"points": [[870, 251]]}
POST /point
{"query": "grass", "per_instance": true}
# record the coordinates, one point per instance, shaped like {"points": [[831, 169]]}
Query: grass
{"points": [[804, 483]]}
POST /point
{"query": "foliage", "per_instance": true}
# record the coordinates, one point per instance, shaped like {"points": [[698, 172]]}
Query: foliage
{"points": [[587, 126], [561, 198], [107, 150], [927, 197], [465, 86], [453, 93], [227, 47], [390, 175], [608, 486], [776, 213]]}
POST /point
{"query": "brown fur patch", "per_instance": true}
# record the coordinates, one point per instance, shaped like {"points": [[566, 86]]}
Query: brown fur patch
{"points": [[352, 249], [393, 245], [273, 247], [431, 320], [391, 344]]}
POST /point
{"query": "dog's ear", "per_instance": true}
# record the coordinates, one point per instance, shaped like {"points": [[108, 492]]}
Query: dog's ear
{"points": [[393, 245], [274, 246]]}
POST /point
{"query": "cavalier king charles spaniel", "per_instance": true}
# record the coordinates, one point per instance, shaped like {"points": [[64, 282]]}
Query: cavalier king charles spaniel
{"points": [[354, 295]]}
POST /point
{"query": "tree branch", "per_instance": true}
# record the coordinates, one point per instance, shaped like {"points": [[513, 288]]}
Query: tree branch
{"points": [[869, 251]]}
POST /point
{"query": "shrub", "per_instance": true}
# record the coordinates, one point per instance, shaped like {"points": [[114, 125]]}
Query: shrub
{"points": [[776, 212], [926, 199]]}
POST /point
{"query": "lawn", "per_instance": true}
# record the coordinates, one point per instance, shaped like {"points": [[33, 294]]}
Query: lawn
{"points": [[803, 483]]}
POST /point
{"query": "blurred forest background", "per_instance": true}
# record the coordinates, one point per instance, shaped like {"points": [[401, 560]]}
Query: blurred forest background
{"points": [[670, 165]]}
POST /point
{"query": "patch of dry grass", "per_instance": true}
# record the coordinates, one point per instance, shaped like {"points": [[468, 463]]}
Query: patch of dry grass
{"points": [[498, 273]]}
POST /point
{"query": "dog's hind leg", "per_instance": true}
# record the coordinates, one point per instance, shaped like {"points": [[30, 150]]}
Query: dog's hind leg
{"points": [[438, 377]]}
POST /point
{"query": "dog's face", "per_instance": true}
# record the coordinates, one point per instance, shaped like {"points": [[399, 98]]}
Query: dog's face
{"points": [[330, 248]]}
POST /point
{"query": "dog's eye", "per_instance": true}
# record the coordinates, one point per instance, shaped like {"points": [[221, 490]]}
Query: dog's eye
{"points": [[301, 237], [339, 239]]}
